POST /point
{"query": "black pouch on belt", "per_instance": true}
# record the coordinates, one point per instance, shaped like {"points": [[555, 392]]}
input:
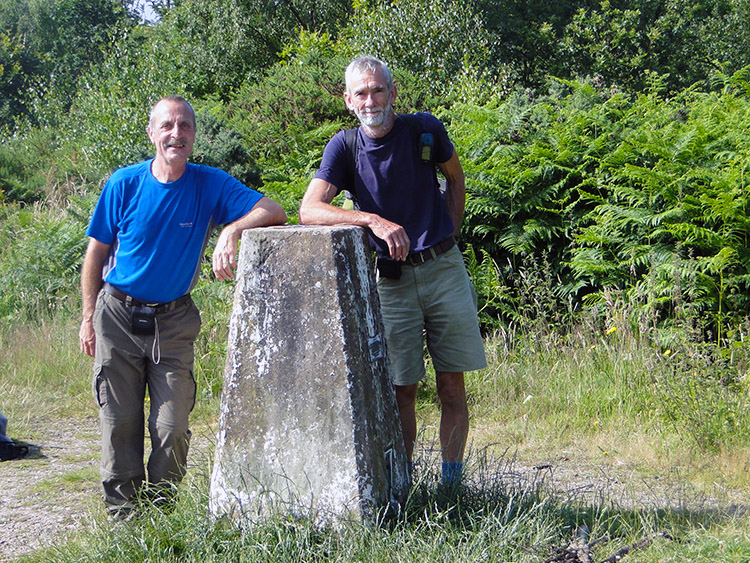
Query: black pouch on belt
{"points": [[142, 319], [389, 268]]}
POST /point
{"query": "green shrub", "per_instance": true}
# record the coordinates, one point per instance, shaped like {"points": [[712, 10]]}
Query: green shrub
{"points": [[34, 167], [107, 123], [221, 147], [304, 92], [438, 41], [41, 250], [635, 193], [700, 393], [215, 47]]}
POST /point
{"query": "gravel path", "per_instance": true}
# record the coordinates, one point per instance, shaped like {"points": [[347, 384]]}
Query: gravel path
{"points": [[51, 491], [55, 489]]}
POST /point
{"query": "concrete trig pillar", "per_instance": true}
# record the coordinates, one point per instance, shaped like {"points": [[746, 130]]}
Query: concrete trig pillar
{"points": [[308, 423]]}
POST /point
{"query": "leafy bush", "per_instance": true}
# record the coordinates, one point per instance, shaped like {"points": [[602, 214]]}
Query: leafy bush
{"points": [[33, 168], [14, 185], [699, 392], [221, 147], [107, 123], [296, 96], [435, 41], [217, 46], [683, 41], [637, 193], [41, 250], [289, 114]]}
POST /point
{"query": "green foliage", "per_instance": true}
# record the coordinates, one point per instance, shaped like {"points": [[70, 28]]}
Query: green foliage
{"points": [[214, 300], [528, 36], [75, 35], [676, 193], [221, 147], [288, 114], [15, 67], [438, 41], [41, 251], [287, 181], [33, 168], [106, 126], [214, 47], [51, 44], [20, 62], [291, 100], [616, 191], [609, 42], [685, 41], [620, 41], [14, 186], [700, 392], [689, 40], [494, 299]]}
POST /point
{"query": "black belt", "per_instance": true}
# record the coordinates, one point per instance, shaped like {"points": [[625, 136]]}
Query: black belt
{"points": [[133, 302], [416, 258]]}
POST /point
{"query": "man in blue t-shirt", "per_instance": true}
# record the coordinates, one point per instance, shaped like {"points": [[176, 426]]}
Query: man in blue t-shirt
{"points": [[422, 281], [147, 236]]}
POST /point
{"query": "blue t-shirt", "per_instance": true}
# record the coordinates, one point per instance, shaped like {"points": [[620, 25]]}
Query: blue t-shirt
{"points": [[392, 181], [158, 231]]}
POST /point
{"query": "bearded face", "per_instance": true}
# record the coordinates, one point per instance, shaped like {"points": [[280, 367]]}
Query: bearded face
{"points": [[371, 99]]}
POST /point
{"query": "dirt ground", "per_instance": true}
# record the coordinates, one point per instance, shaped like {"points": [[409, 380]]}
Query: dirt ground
{"points": [[54, 491], [48, 493]]}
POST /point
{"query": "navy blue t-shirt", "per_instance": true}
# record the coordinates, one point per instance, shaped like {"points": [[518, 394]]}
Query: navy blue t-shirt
{"points": [[393, 182]]}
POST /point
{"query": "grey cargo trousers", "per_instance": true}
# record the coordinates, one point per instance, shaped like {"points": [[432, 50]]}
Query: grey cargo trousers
{"points": [[126, 365]]}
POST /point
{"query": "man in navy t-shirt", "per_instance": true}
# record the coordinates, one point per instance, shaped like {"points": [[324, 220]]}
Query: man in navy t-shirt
{"points": [[148, 234], [422, 281]]}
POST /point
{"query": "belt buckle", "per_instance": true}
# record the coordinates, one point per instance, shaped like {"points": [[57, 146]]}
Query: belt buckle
{"points": [[426, 254]]}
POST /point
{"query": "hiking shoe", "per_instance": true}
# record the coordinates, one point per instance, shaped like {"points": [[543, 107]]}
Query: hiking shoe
{"points": [[124, 513], [162, 496]]}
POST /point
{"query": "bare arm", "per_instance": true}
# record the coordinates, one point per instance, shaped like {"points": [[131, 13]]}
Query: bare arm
{"points": [[91, 282], [316, 209], [455, 195], [265, 213]]}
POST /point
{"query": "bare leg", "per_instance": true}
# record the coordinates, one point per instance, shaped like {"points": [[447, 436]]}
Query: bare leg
{"points": [[406, 399], [454, 421]]}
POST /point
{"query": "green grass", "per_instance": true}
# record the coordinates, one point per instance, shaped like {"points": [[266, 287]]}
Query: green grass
{"points": [[606, 404], [72, 481], [487, 520], [43, 375]]}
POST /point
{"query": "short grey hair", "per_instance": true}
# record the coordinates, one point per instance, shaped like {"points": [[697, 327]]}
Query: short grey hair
{"points": [[172, 98], [367, 63]]}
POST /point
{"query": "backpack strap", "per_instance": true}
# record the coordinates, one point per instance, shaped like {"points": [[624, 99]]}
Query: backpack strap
{"points": [[351, 143], [352, 149]]}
